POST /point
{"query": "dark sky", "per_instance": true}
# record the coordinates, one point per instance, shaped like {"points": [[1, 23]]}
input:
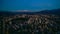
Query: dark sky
{"points": [[29, 4]]}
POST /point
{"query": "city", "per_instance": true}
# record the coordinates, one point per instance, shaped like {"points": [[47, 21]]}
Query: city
{"points": [[30, 24]]}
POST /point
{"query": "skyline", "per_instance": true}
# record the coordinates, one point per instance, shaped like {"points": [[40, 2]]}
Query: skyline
{"points": [[29, 4]]}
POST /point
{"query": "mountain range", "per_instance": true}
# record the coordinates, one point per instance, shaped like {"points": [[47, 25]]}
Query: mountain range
{"points": [[54, 11]]}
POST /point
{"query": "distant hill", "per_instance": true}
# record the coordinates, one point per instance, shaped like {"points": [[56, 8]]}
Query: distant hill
{"points": [[54, 11]]}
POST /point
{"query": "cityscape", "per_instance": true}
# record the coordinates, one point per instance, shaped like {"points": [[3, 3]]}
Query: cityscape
{"points": [[29, 16], [30, 24]]}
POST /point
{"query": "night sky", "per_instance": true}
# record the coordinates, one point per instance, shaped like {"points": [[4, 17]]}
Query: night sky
{"points": [[29, 4]]}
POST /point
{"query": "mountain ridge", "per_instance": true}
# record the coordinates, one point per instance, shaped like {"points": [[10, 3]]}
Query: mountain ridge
{"points": [[54, 11]]}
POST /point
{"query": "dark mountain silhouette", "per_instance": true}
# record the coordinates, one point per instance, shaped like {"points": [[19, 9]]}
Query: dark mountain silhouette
{"points": [[54, 11]]}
